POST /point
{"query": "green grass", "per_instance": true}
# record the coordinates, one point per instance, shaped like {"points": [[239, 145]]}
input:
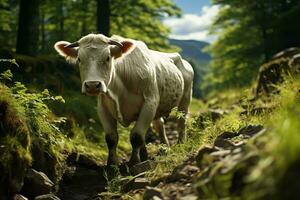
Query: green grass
{"points": [[273, 176]]}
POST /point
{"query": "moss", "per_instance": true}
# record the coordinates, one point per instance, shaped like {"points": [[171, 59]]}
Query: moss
{"points": [[15, 142]]}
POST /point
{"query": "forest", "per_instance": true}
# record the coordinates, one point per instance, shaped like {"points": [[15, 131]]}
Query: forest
{"points": [[242, 138]]}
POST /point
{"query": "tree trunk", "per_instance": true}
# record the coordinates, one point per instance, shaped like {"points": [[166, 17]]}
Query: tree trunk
{"points": [[28, 30], [103, 17], [42, 28], [83, 21], [60, 19]]}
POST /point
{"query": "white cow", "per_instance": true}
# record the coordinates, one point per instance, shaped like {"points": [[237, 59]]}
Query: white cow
{"points": [[132, 83]]}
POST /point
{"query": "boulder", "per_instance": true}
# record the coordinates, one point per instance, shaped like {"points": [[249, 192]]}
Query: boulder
{"points": [[272, 72], [36, 183]]}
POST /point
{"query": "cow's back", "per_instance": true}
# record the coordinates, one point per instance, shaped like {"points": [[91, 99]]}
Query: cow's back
{"points": [[170, 82], [144, 71]]}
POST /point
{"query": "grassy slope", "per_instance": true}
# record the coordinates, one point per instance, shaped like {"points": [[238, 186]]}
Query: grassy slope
{"points": [[278, 148]]}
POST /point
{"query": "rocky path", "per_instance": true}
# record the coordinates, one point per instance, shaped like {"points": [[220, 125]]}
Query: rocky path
{"points": [[83, 179], [228, 155]]}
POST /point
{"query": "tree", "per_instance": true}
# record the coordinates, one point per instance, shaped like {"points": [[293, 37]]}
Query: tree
{"points": [[28, 28], [249, 34], [141, 19], [8, 24], [103, 17]]}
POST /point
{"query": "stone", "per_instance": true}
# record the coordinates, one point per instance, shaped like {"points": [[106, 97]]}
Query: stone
{"points": [[19, 197], [203, 152], [181, 173], [152, 192], [223, 140], [142, 167], [272, 73], [47, 197], [250, 130], [221, 153], [205, 149], [210, 115], [36, 183], [137, 182]]}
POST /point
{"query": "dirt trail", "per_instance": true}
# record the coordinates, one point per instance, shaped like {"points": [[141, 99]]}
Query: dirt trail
{"points": [[84, 180]]}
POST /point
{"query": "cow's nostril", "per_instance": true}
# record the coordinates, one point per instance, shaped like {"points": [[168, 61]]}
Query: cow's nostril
{"points": [[98, 85]]}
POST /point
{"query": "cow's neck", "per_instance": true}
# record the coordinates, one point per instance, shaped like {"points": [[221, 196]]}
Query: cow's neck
{"points": [[115, 89]]}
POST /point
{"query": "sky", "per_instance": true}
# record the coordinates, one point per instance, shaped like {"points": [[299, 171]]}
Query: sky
{"points": [[197, 15]]}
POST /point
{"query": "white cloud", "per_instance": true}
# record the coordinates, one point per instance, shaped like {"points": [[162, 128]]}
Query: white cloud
{"points": [[191, 26]]}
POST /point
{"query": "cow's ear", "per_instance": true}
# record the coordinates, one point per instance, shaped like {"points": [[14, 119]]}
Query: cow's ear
{"points": [[117, 52], [68, 53]]}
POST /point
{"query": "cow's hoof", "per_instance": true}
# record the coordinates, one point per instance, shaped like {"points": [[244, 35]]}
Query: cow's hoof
{"points": [[143, 154], [133, 161]]}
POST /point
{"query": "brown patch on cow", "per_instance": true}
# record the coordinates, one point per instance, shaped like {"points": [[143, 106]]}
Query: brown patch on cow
{"points": [[126, 46]]}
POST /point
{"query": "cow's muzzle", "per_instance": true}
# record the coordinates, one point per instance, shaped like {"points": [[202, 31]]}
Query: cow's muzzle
{"points": [[93, 88]]}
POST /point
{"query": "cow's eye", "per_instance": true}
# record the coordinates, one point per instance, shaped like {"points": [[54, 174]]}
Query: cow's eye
{"points": [[78, 60], [107, 59]]}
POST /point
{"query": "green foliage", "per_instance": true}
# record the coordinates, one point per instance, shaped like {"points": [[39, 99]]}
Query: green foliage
{"points": [[247, 38], [8, 23], [279, 163], [139, 19], [6, 76]]}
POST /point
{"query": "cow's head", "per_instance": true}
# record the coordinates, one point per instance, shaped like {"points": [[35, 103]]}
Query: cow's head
{"points": [[94, 54]]}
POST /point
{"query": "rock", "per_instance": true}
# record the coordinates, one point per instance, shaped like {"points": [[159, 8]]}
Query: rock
{"points": [[82, 160], [221, 153], [223, 140], [152, 192], [272, 73], [203, 152], [137, 182], [83, 181], [142, 167], [250, 130], [182, 173], [19, 197], [210, 115], [36, 183], [47, 197], [205, 149]]}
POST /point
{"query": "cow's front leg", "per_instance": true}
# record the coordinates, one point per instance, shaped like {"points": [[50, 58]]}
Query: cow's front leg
{"points": [[137, 135], [111, 135]]}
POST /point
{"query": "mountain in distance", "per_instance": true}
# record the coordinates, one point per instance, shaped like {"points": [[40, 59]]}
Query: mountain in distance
{"points": [[192, 49]]}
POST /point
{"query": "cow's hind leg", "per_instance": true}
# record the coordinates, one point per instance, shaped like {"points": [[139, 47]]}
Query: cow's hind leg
{"points": [[137, 135], [183, 108], [159, 127]]}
